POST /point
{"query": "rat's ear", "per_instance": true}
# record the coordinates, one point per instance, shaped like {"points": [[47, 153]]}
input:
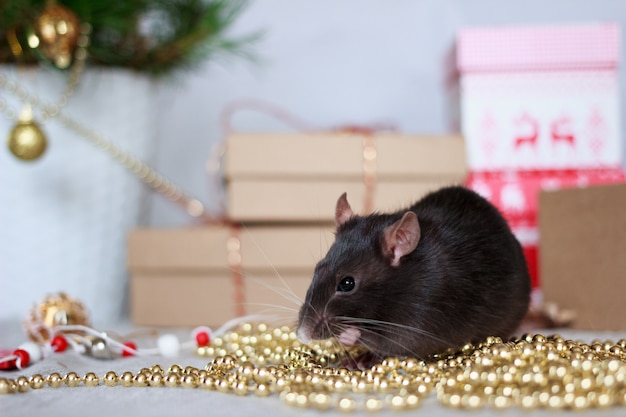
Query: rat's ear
{"points": [[343, 211], [402, 237]]}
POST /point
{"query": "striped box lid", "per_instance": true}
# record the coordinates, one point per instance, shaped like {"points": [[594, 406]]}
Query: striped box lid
{"points": [[523, 48]]}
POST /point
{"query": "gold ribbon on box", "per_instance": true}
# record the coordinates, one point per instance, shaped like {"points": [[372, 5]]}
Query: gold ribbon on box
{"points": [[214, 166], [233, 246], [366, 132], [369, 154]]}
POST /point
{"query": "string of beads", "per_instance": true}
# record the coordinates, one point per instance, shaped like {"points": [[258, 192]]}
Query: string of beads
{"points": [[533, 371]]}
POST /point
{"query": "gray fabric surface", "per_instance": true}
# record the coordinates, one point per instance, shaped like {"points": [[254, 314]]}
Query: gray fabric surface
{"points": [[110, 401]]}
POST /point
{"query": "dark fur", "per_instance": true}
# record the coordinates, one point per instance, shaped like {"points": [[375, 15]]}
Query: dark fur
{"points": [[466, 280]]}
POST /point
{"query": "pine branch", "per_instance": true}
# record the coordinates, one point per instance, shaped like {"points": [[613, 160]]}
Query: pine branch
{"points": [[153, 36]]}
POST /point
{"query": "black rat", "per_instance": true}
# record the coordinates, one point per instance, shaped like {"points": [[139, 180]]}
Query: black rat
{"points": [[444, 272]]}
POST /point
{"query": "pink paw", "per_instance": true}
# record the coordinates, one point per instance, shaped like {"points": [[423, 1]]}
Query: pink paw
{"points": [[350, 336]]}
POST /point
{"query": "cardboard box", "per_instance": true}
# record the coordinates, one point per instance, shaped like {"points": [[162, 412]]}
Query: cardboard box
{"points": [[540, 97], [206, 276], [582, 254], [299, 177]]}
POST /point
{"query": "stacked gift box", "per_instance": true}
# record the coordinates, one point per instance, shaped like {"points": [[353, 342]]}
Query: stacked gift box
{"points": [[281, 191], [539, 110]]}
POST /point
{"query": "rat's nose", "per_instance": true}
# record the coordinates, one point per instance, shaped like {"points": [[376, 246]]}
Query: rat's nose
{"points": [[303, 334]]}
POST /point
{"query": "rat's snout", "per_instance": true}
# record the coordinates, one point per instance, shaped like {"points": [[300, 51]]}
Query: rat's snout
{"points": [[311, 326], [304, 335]]}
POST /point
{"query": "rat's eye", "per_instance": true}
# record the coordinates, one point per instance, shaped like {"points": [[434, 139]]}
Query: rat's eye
{"points": [[346, 284]]}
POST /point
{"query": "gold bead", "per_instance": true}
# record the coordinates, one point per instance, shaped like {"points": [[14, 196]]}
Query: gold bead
{"points": [[191, 370], [373, 404], [245, 328], [500, 401], [346, 404], [528, 402], [382, 385], [288, 397], [37, 381], [301, 401], [262, 390], [616, 351], [156, 379], [175, 369], [22, 384], [156, 368], [72, 379], [140, 380], [472, 401], [126, 379], [556, 402], [246, 369], [206, 382], [240, 388], [91, 379], [54, 380], [397, 402], [4, 386], [454, 400], [26, 140], [223, 385], [581, 402], [361, 386], [172, 379], [110, 379], [12, 386], [605, 400], [189, 381]]}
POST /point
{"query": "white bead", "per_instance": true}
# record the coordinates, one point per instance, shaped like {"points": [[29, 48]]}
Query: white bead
{"points": [[34, 351], [168, 345]]}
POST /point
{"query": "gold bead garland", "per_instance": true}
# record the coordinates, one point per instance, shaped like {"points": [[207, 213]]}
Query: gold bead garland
{"points": [[26, 140], [530, 372], [141, 170]]}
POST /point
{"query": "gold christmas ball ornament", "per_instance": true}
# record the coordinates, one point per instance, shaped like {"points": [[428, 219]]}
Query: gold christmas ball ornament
{"points": [[26, 140], [55, 34], [54, 310]]}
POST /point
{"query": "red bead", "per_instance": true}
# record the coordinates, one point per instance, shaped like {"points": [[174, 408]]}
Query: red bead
{"points": [[202, 339], [5, 365], [126, 352], [23, 358], [59, 343]]}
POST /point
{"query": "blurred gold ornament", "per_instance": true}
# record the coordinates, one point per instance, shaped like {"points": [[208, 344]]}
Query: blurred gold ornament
{"points": [[26, 140], [55, 35], [55, 310]]}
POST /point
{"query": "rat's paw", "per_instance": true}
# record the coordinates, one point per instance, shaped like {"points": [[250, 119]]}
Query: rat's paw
{"points": [[349, 336]]}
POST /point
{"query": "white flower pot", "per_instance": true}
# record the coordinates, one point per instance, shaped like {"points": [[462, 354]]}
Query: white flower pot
{"points": [[64, 218]]}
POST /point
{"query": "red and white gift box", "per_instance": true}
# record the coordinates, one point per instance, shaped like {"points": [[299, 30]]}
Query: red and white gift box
{"points": [[535, 98], [539, 109], [516, 194]]}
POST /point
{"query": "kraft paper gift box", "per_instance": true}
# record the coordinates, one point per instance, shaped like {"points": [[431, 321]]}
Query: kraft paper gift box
{"points": [[209, 275], [582, 254], [299, 177]]}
